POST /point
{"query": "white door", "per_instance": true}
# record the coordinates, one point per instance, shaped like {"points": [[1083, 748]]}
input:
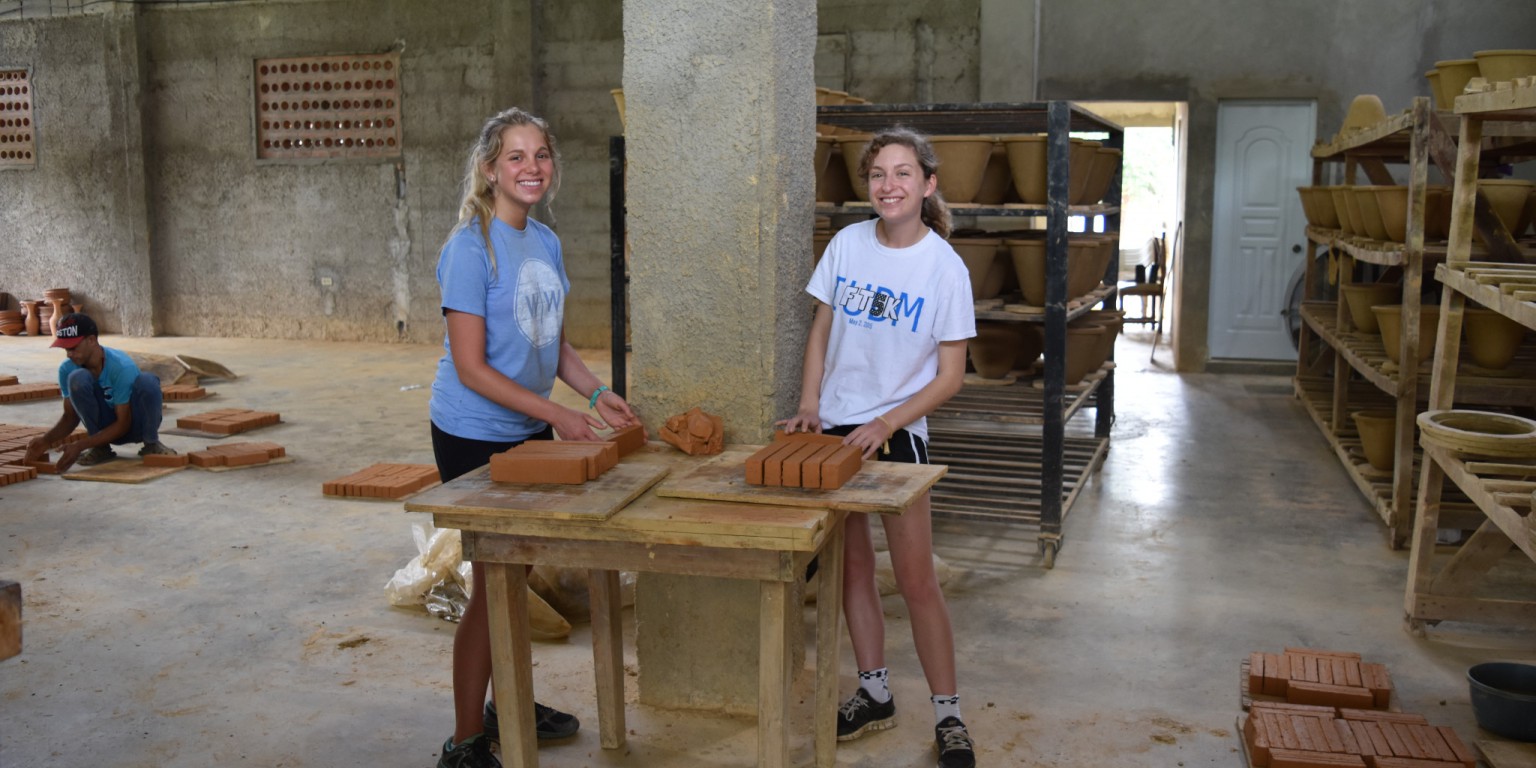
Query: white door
{"points": [[1258, 233]]}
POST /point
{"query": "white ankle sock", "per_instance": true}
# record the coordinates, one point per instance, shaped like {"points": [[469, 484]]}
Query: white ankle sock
{"points": [[945, 706], [876, 684]]}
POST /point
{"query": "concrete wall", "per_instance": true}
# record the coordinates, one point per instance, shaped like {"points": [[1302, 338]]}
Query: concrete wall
{"points": [[912, 51], [77, 220], [1202, 52]]}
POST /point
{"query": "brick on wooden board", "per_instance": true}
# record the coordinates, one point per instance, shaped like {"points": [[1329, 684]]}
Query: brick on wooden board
{"points": [[1409, 762], [810, 469], [1378, 716], [628, 439], [1286, 758], [1375, 677], [10, 619], [1322, 652], [773, 466], [1347, 738], [166, 460], [245, 458], [206, 459], [1370, 738], [274, 451], [794, 465], [13, 474], [1291, 758], [840, 467], [754, 463], [1432, 738], [1255, 673], [1257, 739], [1287, 707], [1276, 674], [43, 466], [1323, 694], [1459, 750], [564, 470], [1395, 744], [807, 437]]}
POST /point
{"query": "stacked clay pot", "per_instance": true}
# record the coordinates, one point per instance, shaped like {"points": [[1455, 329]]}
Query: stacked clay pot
{"points": [[962, 163], [1088, 257], [1101, 174], [984, 258], [1392, 203], [1454, 74], [1359, 298], [1317, 206], [1026, 160], [12, 323], [1492, 339], [1378, 436], [1390, 318], [832, 185], [853, 145], [1504, 65], [1000, 347], [996, 179], [1370, 214], [1509, 199]]}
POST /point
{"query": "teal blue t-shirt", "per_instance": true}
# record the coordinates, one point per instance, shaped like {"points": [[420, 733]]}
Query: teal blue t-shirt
{"points": [[524, 311], [117, 375]]}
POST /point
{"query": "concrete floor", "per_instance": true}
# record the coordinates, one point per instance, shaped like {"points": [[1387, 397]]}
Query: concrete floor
{"points": [[239, 618]]}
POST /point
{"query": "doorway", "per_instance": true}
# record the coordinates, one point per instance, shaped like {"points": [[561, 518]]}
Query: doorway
{"points": [[1258, 231]]}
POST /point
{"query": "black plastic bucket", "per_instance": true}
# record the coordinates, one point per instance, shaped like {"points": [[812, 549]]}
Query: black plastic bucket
{"points": [[1504, 698]]}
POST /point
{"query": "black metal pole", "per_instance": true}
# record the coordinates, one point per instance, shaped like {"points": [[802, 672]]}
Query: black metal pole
{"points": [[1058, 151], [618, 273], [1104, 399]]}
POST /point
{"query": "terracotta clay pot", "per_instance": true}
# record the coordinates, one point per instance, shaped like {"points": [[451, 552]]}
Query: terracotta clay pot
{"points": [[1113, 322], [1454, 74], [1341, 195], [1390, 318], [995, 348], [1365, 111], [1392, 206], [60, 309], [962, 160], [1031, 344], [1083, 345], [853, 146], [824, 146], [1360, 297], [1370, 215], [1106, 163], [1322, 205], [1026, 159], [1079, 167], [1028, 256], [997, 179], [1088, 258], [1504, 65], [1492, 338], [1378, 436], [983, 258], [832, 184], [1441, 105], [56, 293], [1508, 198]]}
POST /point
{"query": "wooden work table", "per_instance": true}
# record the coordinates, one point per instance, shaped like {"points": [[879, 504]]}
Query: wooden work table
{"points": [[701, 520]]}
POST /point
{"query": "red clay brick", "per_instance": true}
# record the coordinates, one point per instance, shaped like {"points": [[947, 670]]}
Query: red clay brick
{"points": [[1409, 762], [1302, 692], [755, 463], [1376, 678], [841, 467], [1289, 758], [1377, 716], [1323, 652], [1277, 672], [1257, 739], [1458, 748], [794, 465], [161, 460], [206, 459], [1255, 673], [629, 439], [565, 470], [810, 469]]}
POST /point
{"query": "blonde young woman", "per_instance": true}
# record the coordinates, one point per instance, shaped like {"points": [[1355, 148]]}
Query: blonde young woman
{"points": [[503, 297], [887, 347]]}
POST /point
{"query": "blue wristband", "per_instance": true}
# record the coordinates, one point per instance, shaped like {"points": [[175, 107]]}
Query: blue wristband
{"points": [[596, 393]]}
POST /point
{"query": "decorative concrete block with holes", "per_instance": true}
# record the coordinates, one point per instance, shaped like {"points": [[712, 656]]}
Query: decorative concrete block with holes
{"points": [[320, 107], [18, 139]]}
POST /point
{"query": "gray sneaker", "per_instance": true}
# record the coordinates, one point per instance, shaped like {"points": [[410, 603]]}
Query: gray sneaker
{"points": [[94, 456], [157, 449]]}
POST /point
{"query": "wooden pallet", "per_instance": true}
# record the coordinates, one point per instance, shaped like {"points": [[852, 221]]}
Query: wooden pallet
{"points": [[996, 477]]}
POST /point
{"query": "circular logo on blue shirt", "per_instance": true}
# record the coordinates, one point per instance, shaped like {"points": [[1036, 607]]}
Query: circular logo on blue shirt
{"points": [[540, 302]]}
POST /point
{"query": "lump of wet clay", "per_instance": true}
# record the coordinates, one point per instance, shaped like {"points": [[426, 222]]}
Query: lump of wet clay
{"points": [[695, 433]]}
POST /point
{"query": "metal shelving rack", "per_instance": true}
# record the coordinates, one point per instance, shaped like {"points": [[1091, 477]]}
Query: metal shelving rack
{"points": [[1501, 489], [1009, 455]]}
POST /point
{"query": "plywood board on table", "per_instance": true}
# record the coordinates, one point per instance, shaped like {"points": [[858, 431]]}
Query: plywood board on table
{"points": [[878, 488], [475, 495]]}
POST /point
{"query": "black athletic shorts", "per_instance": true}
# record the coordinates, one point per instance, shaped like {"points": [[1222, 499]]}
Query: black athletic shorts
{"points": [[906, 447]]}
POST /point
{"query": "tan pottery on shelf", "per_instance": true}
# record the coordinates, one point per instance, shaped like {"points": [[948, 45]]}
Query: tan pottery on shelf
{"points": [[1492, 338], [997, 179], [853, 146], [1390, 318], [1031, 344], [832, 184], [1437, 212], [1482, 433], [962, 161], [1454, 76], [1083, 345], [1028, 256], [995, 348], [1365, 111], [1504, 65], [1360, 297], [1392, 206], [1378, 436], [1106, 163], [1322, 204], [1357, 226], [824, 145], [1113, 322], [1370, 215], [1508, 198], [1026, 159], [983, 258], [1441, 105], [1079, 166]]}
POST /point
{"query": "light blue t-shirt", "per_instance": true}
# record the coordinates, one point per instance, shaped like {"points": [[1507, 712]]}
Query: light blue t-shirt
{"points": [[524, 308], [118, 373]]}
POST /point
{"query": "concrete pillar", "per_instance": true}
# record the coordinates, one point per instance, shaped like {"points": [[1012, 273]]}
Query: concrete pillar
{"points": [[1008, 49], [720, 136], [124, 80]]}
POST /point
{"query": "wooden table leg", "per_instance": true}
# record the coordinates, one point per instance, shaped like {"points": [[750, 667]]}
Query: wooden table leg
{"points": [[773, 679], [608, 655], [506, 587], [829, 614]]}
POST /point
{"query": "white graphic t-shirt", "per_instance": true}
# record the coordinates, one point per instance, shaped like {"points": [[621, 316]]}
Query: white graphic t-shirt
{"points": [[890, 309]]}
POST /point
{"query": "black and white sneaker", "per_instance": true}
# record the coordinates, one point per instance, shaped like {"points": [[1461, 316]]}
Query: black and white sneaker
{"points": [[954, 744], [861, 714], [473, 752], [548, 723]]}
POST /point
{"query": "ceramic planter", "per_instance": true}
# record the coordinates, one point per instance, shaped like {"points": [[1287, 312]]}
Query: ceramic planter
{"points": [[1106, 163], [1378, 436], [1028, 258], [1492, 338], [1441, 105], [1503, 65], [824, 146], [995, 348], [962, 161], [983, 258], [1360, 297], [997, 179], [832, 183], [1390, 318], [1454, 75], [1370, 215], [1508, 198], [1342, 197], [1083, 345], [1026, 159], [1392, 206], [853, 146], [1079, 167]]}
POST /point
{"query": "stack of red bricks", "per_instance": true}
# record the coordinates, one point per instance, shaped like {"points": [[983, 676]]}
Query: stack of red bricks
{"points": [[804, 460], [8, 379], [11, 473], [182, 392], [1326, 678], [17, 393], [1304, 736], [383, 481], [225, 455], [566, 462], [228, 421], [13, 452]]}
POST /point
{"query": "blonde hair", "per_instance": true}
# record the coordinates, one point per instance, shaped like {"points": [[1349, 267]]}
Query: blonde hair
{"points": [[479, 200], [935, 211]]}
